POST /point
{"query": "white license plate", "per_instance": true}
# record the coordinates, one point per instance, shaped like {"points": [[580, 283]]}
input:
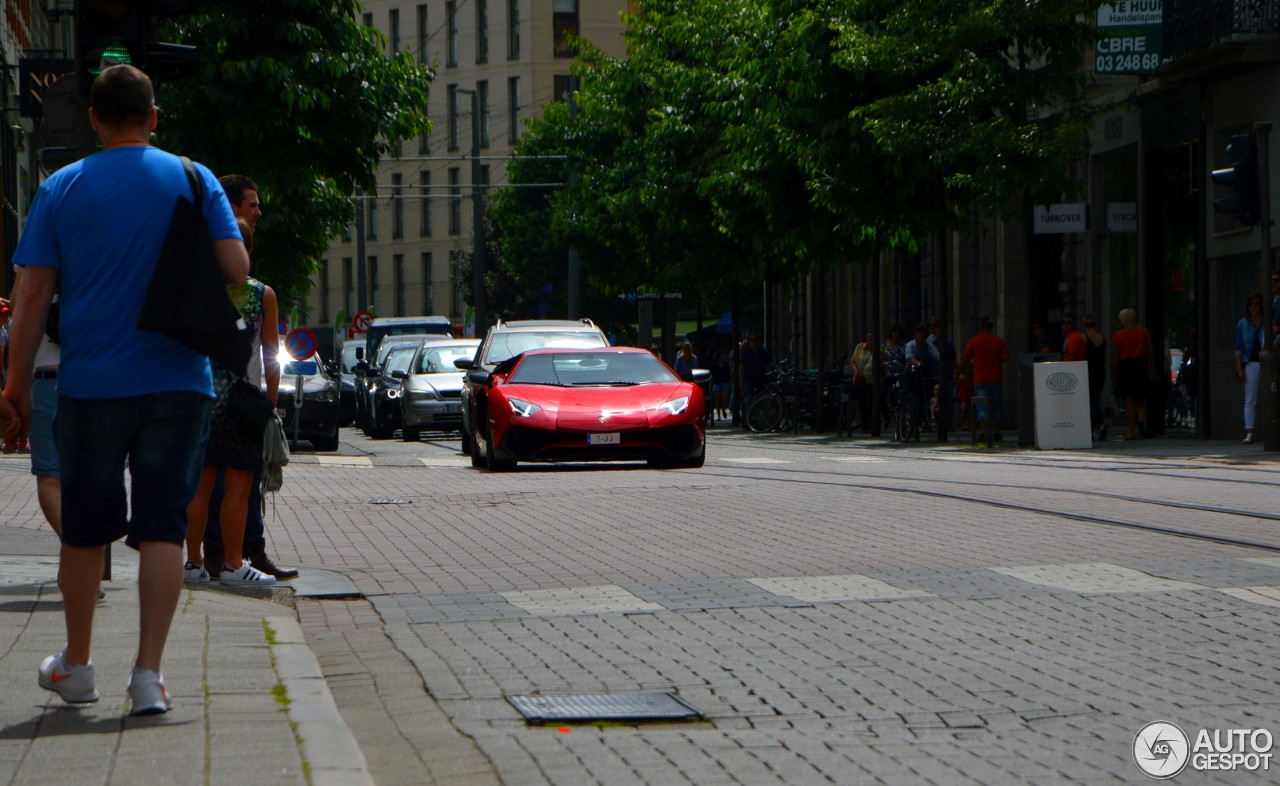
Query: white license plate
{"points": [[452, 409], [604, 439]]}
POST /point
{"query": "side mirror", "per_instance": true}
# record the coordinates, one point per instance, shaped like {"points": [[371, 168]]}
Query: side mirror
{"points": [[360, 368], [464, 363], [399, 374], [478, 376], [700, 376], [359, 353]]}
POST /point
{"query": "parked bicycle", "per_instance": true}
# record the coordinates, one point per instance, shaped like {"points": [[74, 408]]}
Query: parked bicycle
{"points": [[903, 403], [789, 400]]}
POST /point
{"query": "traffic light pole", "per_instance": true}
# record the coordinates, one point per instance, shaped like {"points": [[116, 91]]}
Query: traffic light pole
{"points": [[1269, 376]]}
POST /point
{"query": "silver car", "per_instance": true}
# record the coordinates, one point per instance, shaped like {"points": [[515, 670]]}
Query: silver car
{"points": [[431, 398]]}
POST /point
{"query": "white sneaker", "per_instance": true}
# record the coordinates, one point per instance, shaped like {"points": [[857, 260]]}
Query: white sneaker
{"points": [[1248, 439], [75, 684], [246, 576], [147, 693], [194, 574]]}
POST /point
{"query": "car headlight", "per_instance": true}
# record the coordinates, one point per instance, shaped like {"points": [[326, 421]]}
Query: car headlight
{"points": [[391, 393], [324, 394], [523, 409], [676, 405], [422, 395]]}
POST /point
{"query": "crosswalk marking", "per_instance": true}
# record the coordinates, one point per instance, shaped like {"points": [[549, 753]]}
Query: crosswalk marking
{"points": [[1095, 577], [345, 461], [835, 588], [753, 460], [446, 462], [579, 600], [1266, 596]]}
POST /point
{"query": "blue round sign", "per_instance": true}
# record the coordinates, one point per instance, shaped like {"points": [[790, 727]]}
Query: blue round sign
{"points": [[301, 343]]}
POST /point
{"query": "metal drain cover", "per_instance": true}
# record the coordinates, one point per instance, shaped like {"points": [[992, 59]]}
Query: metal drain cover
{"points": [[604, 706], [390, 502]]}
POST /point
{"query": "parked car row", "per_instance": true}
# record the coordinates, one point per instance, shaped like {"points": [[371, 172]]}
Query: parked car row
{"points": [[537, 390]]}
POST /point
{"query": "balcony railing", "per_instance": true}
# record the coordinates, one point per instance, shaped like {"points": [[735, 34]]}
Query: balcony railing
{"points": [[1192, 26]]}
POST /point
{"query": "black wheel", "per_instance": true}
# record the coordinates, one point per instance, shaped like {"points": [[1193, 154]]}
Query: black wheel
{"points": [[326, 444], [466, 441], [477, 458], [765, 413], [409, 434], [900, 424], [495, 464]]}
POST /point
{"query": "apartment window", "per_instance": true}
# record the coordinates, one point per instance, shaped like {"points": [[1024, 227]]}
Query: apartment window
{"points": [[346, 233], [397, 207], [371, 221], [564, 23], [482, 98], [348, 287], [424, 185], [424, 145], [397, 266], [428, 293], [513, 29], [451, 23], [484, 175], [513, 109], [373, 283], [393, 31], [370, 32], [562, 85], [482, 31], [455, 201], [451, 93], [423, 35], [397, 149], [324, 290]]}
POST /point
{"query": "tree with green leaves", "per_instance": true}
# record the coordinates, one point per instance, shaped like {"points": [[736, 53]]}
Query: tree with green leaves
{"points": [[300, 97], [808, 131]]}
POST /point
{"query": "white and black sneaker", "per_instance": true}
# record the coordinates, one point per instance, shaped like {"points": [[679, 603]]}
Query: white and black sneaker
{"points": [[245, 576], [194, 574]]}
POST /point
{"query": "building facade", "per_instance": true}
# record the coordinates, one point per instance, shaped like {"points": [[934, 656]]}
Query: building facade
{"points": [[512, 57], [1151, 238]]}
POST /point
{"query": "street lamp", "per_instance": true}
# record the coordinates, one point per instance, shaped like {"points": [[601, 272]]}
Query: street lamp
{"points": [[477, 210]]}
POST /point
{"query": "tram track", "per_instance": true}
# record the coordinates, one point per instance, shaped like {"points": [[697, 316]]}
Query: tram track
{"points": [[854, 480]]}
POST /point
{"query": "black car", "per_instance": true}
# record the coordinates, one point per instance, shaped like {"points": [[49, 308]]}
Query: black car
{"points": [[384, 391], [316, 420], [366, 372], [508, 339]]}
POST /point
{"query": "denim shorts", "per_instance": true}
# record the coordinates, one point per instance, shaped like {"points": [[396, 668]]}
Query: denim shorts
{"points": [[994, 391], [44, 450], [162, 439]]}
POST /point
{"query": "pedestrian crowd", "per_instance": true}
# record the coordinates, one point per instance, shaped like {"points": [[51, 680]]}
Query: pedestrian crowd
{"points": [[95, 394]]}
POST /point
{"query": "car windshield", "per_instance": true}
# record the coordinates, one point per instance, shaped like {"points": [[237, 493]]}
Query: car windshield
{"points": [[508, 345], [440, 359], [349, 356], [388, 348], [599, 369], [399, 359]]}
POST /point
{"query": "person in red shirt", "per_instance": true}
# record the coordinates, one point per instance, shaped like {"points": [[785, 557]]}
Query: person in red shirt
{"points": [[1133, 367], [1073, 345], [987, 353]]}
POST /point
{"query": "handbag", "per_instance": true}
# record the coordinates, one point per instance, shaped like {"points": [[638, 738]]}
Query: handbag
{"points": [[249, 408], [187, 299]]}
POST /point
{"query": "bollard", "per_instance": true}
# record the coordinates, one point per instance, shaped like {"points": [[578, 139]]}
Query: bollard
{"points": [[1269, 399]]}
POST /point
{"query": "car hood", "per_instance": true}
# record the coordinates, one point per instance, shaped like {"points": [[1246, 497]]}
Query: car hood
{"points": [[592, 407], [447, 380]]}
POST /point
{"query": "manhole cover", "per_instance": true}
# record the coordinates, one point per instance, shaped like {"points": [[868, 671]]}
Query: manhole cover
{"points": [[390, 502], [603, 706]]}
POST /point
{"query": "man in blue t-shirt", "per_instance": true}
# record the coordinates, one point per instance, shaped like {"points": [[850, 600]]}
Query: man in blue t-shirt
{"points": [[95, 233]]}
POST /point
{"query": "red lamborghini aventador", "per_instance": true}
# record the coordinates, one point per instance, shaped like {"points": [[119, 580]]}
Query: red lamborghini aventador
{"points": [[609, 404]]}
